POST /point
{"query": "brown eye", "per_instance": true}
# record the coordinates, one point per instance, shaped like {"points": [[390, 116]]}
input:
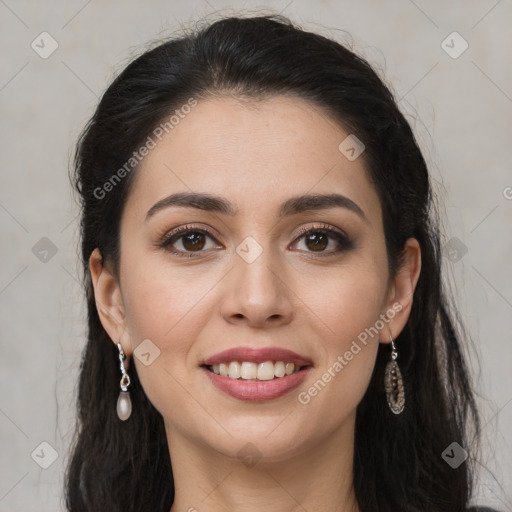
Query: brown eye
{"points": [[193, 241], [185, 241], [324, 241], [316, 241]]}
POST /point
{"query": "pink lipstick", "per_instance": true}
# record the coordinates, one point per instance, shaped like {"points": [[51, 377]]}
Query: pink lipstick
{"points": [[256, 374]]}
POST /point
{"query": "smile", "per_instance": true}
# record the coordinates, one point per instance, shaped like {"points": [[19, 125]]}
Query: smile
{"points": [[248, 373], [247, 370]]}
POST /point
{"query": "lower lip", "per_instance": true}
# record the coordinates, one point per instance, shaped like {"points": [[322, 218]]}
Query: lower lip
{"points": [[257, 390]]}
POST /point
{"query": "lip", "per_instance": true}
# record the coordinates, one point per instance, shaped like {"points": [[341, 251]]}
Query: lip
{"points": [[257, 355], [254, 389], [257, 390]]}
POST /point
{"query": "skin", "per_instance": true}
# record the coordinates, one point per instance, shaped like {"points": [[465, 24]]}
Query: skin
{"points": [[256, 155]]}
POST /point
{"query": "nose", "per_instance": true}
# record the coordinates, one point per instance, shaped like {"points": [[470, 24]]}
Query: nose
{"points": [[256, 293]]}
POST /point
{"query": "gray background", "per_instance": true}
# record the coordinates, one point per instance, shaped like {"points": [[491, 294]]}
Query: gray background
{"points": [[460, 110]]}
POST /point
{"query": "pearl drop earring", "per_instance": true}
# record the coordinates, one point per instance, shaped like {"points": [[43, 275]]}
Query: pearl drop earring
{"points": [[124, 402]]}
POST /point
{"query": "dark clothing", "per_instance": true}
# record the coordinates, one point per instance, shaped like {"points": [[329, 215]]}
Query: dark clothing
{"points": [[482, 509]]}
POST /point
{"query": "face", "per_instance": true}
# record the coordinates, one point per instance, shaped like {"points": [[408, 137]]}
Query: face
{"points": [[257, 270]]}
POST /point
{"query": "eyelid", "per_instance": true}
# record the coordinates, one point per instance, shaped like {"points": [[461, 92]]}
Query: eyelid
{"points": [[179, 232], [183, 229], [323, 227]]}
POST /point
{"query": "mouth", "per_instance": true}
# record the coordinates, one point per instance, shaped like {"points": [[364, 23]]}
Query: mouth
{"points": [[256, 374], [250, 371]]}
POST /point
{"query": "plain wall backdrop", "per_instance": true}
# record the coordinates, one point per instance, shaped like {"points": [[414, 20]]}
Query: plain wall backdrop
{"points": [[458, 99]]}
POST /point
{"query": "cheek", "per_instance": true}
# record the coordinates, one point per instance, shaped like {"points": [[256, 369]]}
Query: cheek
{"points": [[350, 350], [346, 300], [170, 306], [160, 297], [348, 303]]}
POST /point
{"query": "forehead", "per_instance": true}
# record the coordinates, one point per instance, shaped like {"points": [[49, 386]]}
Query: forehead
{"points": [[257, 152]]}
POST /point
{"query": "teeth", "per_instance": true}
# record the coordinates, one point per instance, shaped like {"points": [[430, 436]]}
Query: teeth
{"points": [[266, 370], [234, 370], [279, 369], [289, 368], [251, 371]]}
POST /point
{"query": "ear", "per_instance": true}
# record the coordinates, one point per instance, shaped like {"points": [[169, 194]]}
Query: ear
{"points": [[401, 291], [109, 302]]}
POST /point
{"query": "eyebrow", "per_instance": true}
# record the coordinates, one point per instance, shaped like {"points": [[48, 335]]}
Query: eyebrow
{"points": [[292, 206]]}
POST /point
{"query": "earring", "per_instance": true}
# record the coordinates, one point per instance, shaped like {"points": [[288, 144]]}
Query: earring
{"points": [[124, 403], [394, 383]]}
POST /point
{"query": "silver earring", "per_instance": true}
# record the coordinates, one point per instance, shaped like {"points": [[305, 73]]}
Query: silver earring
{"points": [[124, 403], [394, 383]]}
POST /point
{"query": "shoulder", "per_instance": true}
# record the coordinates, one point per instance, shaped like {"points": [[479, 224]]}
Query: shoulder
{"points": [[482, 509]]}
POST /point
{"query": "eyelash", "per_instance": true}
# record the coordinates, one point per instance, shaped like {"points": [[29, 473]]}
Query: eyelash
{"points": [[178, 233]]}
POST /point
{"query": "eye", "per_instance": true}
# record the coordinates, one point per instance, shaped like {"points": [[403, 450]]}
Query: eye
{"points": [[190, 239], [318, 239], [187, 240]]}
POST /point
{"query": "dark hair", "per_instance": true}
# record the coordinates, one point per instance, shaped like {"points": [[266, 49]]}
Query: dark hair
{"points": [[398, 465]]}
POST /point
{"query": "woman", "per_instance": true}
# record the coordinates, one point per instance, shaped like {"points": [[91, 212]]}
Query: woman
{"points": [[263, 273]]}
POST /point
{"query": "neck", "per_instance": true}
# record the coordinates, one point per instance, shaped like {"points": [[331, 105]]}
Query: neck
{"points": [[317, 479]]}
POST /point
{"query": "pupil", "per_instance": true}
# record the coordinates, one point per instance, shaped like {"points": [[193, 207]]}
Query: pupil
{"points": [[190, 241], [319, 241]]}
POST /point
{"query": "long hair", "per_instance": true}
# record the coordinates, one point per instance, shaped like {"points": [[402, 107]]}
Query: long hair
{"points": [[398, 463]]}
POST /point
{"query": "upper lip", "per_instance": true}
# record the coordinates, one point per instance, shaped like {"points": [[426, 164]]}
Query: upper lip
{"points": [[257, 355]]}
